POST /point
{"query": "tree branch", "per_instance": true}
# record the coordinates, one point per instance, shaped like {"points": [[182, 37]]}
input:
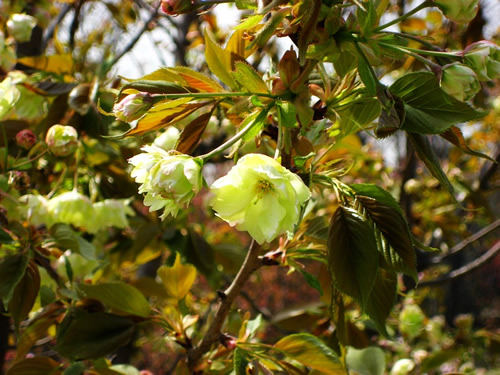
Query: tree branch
{"points": [[468, 268], [462, 245], [136, 38], [49, 33], [249, 266]]}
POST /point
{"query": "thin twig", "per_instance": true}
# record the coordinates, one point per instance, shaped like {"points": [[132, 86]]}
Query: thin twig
{"points": [[464, 270], [49, 33], [462, 245], [249, 266], [136, 38]]}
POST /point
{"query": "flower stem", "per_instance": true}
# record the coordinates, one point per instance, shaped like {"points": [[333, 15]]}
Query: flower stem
{"points": [[31, 160], [235, 138], [425, 4], [212, 95], [409, 51]]}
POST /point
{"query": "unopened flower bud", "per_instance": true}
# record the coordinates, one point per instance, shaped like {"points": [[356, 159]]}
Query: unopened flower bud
{"points": [[460, 11], [79, 98], [25, 139], [260, 196], [484, 58], [133, 106], [411, 321], [459, 81], [289, 68], [169, 180], [20, 26], [62, 140], [402, 367], [175, 7]]}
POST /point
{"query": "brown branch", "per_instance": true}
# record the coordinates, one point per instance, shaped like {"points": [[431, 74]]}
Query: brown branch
{"points": [[468, 268], [49, 33], [136, 38], [463, 244], [249, 266]]}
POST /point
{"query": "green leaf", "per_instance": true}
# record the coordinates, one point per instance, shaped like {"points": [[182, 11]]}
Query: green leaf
{"points": [[345, 63], [76, 368], [312, 352], [352, 254], [368, 361], [35, 366], [367, 18], [246, 4], [454, 135], [12, 269], [248, 22], [154, 87], [66, 238], [240, 361], [177, 279], [35, 331], [25, 294], [428, 156], [248, 78], [312, 281], [93, 335], [219, 61], [382, 299], [259, 120], [377, 193], [429, 110], [356, 115], [118, 296], [398, 252], [365, 73], [5, 237], [287, 114], [266, 32]]}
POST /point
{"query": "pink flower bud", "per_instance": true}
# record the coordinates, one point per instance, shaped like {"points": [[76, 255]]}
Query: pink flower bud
{"points": [[133, 106], [62, 140], [25, 139], [175, 7]]}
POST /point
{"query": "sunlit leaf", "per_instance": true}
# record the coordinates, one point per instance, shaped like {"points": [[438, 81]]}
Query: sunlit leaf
{"points": [[352, 254], [219, 61], [164, 114], [237, 46], [312, 352], [197, 80], [177, 279], [59, 64], [118, 296], [356, 115], [248, 78]]}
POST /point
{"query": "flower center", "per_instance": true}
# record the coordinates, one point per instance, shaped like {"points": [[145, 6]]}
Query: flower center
{"points": [[263, 187]]}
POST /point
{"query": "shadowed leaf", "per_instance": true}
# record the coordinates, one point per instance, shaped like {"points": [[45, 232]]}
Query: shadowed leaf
{"points": [[25, 294], [93, 335], [398, 252], [454, 135], [352, 254], [192, 133], [382, 299], [429, 110], [12, 270], [35, 366]]}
